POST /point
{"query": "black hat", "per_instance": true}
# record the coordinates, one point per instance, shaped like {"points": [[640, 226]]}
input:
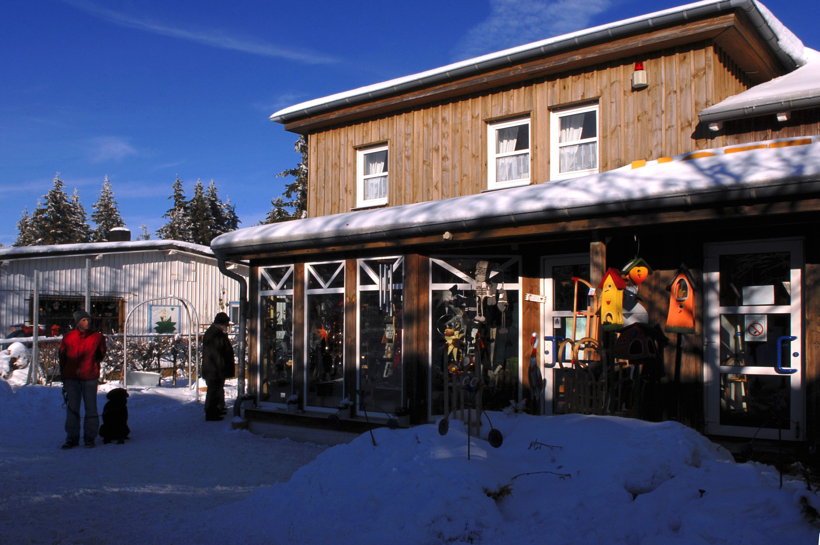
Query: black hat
{"points": [[79, 315], [222, 318]]}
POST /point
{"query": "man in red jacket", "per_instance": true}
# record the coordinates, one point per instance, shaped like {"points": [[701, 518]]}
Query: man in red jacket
{"points": [[81, 351]]}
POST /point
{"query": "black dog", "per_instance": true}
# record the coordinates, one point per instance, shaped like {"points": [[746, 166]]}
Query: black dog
{"points": [[115, 417]]}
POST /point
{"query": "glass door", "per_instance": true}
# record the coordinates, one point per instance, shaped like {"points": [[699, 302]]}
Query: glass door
{"points": [[753, 371], [565, 297]]}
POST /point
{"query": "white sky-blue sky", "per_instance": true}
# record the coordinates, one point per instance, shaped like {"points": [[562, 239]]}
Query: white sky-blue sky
{"points": [[145, 91]]}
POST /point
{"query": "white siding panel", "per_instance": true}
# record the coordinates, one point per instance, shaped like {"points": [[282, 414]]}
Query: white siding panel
{"points": [[134, 277]]}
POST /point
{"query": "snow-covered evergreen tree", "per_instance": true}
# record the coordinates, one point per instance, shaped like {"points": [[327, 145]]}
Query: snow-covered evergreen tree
{"points": [[80, 219], [178, 226], [201, 216], [25, 232], [292, 203], [106, 214], [59, 220], [230, 218], [224, 213]]}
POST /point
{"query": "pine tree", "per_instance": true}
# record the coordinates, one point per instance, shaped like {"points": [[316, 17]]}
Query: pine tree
{"points": [[58, 219], [25, 232], [200, 217], [106, 213], [230, 219], [293, 202], [216, 210], [82, 231], [178, 226]]}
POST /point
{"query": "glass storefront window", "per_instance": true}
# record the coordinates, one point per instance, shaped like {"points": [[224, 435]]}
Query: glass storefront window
{"points": [[754, 401], [755, 279], [276, 334], [752, 339], [324, 373], [474, 305], [381, 307]]}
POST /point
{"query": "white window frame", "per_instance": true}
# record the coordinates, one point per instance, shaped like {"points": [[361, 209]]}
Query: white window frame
{"points": [[361, 177], [493, 155], [555, 145]]}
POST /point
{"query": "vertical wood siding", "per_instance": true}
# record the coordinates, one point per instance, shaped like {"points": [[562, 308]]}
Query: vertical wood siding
{"points": [[439, 151]]}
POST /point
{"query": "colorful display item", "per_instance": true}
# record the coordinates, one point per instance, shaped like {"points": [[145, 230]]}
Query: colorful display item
{"points": [[637, 270], [681, 317], [612, 300]]}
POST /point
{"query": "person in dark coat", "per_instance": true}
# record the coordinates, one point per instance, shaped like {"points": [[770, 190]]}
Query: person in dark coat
{"points": [[217, 365]]}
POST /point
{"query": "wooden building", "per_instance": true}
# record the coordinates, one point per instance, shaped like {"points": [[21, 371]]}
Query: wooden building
{"points": [[460, 222]]}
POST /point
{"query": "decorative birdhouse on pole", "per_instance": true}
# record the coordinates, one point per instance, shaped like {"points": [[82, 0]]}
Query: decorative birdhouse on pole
{"points": [[681, 317], [612, 300], [637, 270]]}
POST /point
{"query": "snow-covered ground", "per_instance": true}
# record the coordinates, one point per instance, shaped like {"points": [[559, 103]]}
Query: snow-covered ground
{"points": [[560, 480]]}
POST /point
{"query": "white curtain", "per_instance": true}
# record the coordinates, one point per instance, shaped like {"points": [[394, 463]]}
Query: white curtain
{"points": [[512, 167], [579, 156], [375, 187]]}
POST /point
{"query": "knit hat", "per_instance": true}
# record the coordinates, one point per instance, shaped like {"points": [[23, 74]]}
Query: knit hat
{"points": [[222, 318], [79, 315]]}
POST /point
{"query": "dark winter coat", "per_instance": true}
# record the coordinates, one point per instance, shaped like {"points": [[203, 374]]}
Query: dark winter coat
{"points": [[80, 354], [217, 355]]}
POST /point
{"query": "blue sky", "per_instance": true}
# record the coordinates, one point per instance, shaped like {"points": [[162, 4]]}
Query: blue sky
{"points": [[145, 91]]}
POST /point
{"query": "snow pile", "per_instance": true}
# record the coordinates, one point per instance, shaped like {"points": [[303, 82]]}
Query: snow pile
{"points": [[568, 479]]}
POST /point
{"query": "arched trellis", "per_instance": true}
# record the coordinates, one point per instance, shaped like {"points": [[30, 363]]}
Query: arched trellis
{"points": [[193, 319]]}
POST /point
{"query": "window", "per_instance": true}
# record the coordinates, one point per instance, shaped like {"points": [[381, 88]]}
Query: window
{"points": [[372, 176], [275, 328], [574, 142], [508, 154], [381, 309]]}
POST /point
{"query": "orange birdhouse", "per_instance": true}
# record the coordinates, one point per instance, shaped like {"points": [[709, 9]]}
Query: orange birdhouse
{"points": [[681, 317], [637, 270], [612, 300]]}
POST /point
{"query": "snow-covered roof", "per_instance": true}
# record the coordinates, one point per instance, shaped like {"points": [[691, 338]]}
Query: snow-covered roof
{"points": [[796, 90], [789, 167], [784, 43], [50, 250]]}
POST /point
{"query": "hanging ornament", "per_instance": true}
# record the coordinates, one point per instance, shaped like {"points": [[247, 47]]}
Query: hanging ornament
{"points": [[637, 270]]}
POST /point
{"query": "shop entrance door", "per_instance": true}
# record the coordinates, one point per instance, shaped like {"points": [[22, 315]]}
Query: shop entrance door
{"points": [[753, 369], [563, 295]]}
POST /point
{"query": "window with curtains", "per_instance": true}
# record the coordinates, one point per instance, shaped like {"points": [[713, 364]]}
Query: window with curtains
{"points": [[574, 142], [508, 154], [372, 176]]}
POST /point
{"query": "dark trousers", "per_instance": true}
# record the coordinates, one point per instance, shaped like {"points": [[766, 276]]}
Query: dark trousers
{"points": [[214, 398], [77, 393]]}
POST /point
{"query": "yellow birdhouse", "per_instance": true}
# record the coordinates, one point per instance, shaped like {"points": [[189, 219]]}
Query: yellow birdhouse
{"points": [[612, 300]]}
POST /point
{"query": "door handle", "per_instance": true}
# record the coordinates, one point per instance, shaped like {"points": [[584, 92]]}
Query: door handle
{"points": [[553, 344], [778, 367]]}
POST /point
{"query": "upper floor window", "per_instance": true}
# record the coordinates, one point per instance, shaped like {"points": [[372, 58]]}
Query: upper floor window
{"points": [[508, 154], [371, 176], [574, 142]]}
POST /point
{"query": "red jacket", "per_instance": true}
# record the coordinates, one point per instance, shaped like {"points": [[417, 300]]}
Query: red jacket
{"points": [[81, 354]]}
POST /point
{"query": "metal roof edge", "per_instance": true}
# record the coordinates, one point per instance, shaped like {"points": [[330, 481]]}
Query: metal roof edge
{"points": [[85, 248]]}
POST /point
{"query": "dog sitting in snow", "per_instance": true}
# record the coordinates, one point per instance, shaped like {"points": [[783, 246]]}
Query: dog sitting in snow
{"points": [[115, 417]]}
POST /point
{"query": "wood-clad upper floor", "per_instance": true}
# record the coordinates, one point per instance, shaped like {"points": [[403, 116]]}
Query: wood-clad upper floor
{"points": [[438, 139]]}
